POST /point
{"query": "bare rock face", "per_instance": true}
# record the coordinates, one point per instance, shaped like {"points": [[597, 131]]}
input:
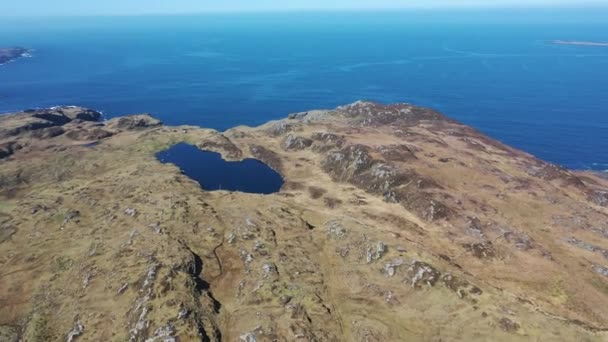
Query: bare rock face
{"points": [[422, 274], [293, 142], [13, 124], [508, 325], [375, 115], [88, 134], [221, 144], [599, 197], [79, 113], [8, 148], [134, 122], [47, 133], [481, 250], [267, 156], [326, 141], [354, 164], [395, 224], [33, 129], [37, 128]]}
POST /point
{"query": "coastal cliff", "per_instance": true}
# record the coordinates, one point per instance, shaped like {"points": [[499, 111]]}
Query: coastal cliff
{"points": [[394, 223]]}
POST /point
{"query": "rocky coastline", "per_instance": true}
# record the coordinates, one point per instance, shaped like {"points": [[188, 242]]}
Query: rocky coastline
{"points": [[10, 54]]}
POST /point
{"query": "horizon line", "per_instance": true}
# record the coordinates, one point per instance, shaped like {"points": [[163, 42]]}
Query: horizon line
{"points": [[317, 10]]}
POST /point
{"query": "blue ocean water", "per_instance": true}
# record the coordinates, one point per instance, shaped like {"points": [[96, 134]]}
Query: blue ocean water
{"points": [[494, 70]]}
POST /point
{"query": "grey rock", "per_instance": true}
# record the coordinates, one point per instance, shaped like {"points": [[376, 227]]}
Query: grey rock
{"points": [[131, 212], [390, 268], [377, 252], [122, 288], [134, 122], [163, 334], [248, 337], [293, 142], [336, 230], [76, 331], [587, 246], [420, 273], [183, 313], [602, 270], [269, 269]]}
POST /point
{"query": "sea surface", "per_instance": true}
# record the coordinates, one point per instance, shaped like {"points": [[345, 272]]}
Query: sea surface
{"points": [[494, 70]]}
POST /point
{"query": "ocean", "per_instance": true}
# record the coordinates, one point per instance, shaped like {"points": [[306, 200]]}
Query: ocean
{"points": [[494, 70]]}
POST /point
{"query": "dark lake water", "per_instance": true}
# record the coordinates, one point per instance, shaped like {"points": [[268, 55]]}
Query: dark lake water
{"points": [[214, 173]]}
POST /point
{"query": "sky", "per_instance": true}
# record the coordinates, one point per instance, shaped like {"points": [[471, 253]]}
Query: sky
{"points": [[25, 8]]}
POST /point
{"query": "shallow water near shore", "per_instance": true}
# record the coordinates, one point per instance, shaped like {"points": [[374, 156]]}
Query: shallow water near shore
{"points": [[495, 71], [212, 172]]}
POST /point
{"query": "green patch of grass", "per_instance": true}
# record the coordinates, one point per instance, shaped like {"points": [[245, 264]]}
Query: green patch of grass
{"points": [[5, 207], [154, 145], [157, 145], [60, 168], [37, 329], [62, 264], [58, 218], [286, 290], [557, 292]]}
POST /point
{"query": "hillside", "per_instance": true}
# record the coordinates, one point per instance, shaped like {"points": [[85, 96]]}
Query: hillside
{"points": [[395, 223]]}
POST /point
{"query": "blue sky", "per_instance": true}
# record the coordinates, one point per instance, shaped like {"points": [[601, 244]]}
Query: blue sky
{"points": [[134, 7]]}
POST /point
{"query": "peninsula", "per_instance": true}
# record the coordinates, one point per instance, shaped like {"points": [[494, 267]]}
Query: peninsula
{"points": [[9, 54], [393, 223]]}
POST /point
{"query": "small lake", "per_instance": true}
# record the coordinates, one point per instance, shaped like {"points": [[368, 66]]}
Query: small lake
{"points": [[212, 172]]}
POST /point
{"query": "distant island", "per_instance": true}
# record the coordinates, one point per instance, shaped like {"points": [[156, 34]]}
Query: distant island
{"points": [[574, 42], [9, 54]]}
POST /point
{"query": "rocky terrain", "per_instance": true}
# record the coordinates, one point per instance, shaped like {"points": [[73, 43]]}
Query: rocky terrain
{"points": [[9, 54], [395, 223]]}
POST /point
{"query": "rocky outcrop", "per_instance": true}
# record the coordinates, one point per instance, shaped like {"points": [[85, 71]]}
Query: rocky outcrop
{"points": [[34, 128], [8, 148], [30, 129], [324, 142], [47, 133], [133, 122], [221, 144], [269, 157], [94, 133], [354, 164], [293, 142], [34, 120], [375, 115]]}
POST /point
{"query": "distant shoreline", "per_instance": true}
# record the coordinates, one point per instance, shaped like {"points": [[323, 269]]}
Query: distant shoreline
{"points": [[11, 54], [582, 43]]}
